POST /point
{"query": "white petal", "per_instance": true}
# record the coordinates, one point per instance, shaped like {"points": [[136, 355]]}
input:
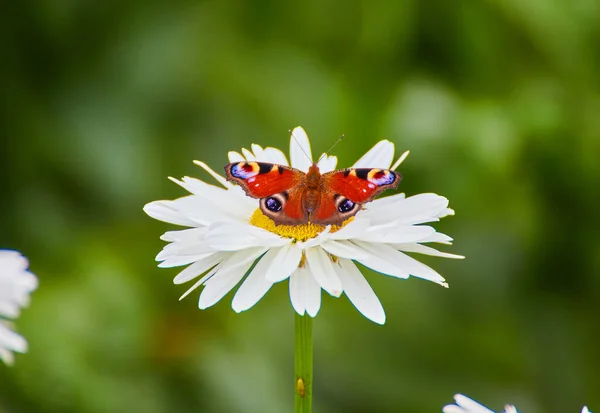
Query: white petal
{"points": [[12, 298], [353, 229], [201, 210], [327, 163], [382, 258], [285, 262], [215, 203], [403, 261], [415, 209], [452, 408], [16, 284], [359, 292], [276, 156], [445, 212], [297, 291], [8, 308], [468, 405], [343, 249], [394, 233], [384, 201], [313, 295], [438, 237], [305, 293], [12, 261], [197, 210], [258, 152], [321, 267], [215, 175], [234, 236], [269, 155], [191, 235], [585, 410], [167, 212], [184, 248], [17, 280], [179, 260], [11, 340], [200, 267], [248, 155], [420, 270], [235, 157], [400, 160], [201, 281], [228, 276], [6, 356], [379, 156], [300, 153], [255, 286], [423, 249], [179, 251]]}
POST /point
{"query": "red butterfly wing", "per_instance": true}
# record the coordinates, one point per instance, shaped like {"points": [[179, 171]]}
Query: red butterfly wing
{"points": [[278, 187], [327, 212], [345, 191], [292, 209], [360, 185], [260, 179]]}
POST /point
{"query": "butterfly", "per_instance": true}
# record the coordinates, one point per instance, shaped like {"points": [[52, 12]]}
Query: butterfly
{"points": [[291, 197]]}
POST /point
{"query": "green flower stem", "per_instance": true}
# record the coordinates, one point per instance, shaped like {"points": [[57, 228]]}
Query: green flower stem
{"points": [[303, 363]]}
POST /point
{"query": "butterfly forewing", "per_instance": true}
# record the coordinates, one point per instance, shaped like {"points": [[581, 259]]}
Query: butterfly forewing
{"points": [[361, 185], [261, 179]]}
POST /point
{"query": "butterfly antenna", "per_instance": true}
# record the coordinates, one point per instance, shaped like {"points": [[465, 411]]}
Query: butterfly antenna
{"points": [[332, 146], [300, 146]]}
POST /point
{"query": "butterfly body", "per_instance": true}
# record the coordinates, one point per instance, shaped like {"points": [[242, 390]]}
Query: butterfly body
{"points": [[291, 197], [311, 197]]}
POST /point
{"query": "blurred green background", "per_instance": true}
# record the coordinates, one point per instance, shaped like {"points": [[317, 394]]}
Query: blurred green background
{"points": [[498, 102]]}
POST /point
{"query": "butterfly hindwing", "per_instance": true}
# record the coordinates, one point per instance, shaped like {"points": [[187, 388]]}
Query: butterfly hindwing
{"points": [[334, 209], [284, 208]]}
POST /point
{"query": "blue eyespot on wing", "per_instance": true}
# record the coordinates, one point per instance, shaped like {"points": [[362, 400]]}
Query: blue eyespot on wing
{"points": [[381, 177], [244, 170]]}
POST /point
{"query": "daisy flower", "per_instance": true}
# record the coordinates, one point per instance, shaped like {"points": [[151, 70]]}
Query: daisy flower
{"points": [[16, 283], [465, 405], [229, 238]]}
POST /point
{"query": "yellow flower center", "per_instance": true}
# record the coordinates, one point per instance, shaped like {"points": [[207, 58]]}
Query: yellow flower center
{"points": [[300, 232]]}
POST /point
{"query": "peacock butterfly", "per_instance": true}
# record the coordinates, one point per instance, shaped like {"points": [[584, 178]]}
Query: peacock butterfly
{"points": [[291, 197]]}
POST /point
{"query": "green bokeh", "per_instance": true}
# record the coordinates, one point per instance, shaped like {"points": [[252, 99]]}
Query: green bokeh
{"points": [[498, 102]]}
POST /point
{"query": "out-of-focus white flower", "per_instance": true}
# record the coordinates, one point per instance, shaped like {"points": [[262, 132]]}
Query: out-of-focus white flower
{"points": [[465, 405], [16, 283], [229, 235]]}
